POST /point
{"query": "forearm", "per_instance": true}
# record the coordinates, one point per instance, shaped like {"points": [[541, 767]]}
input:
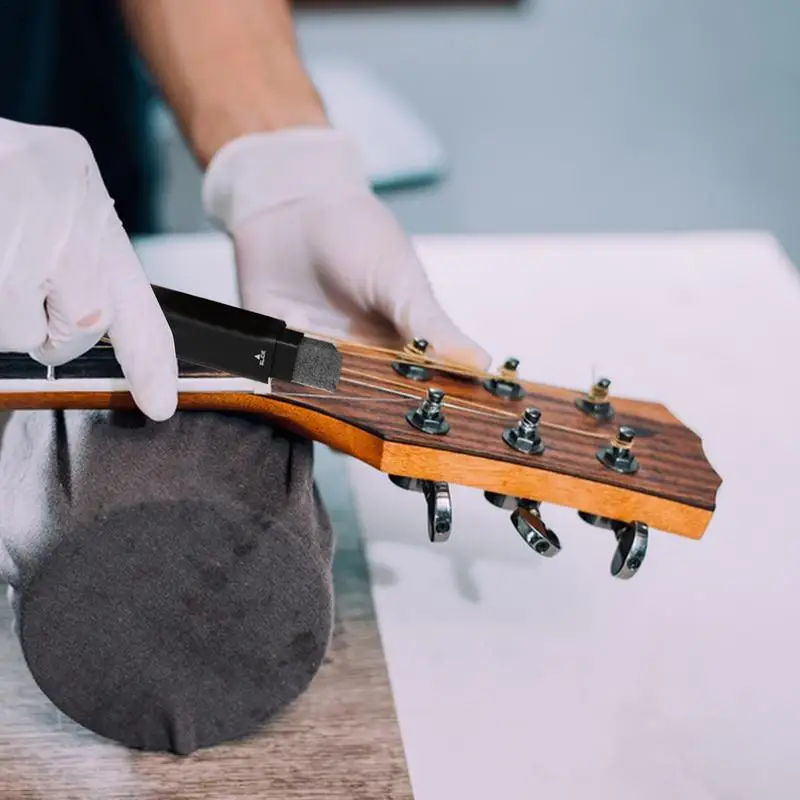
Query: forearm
{"points": [[226, 67]]}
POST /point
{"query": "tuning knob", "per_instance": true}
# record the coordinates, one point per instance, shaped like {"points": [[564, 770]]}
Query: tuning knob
{"points": [[527, 519], [440, 505], [631, 543], [631, 549]]}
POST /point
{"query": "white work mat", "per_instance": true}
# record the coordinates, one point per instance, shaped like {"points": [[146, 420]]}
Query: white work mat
{"points": [[518, 677]]}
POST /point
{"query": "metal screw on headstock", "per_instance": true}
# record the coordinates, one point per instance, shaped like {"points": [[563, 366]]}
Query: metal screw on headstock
{"points": [[414, 371], [617, 455], [524, 437], [428, 416], [505, 384], [596, 403]]}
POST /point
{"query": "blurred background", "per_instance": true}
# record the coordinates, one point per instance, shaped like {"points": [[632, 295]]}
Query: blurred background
{"points": [[559, 115]]}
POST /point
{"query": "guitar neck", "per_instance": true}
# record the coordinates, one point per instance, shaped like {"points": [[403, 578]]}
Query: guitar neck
{"points": [[97, 372], [374, 415]]}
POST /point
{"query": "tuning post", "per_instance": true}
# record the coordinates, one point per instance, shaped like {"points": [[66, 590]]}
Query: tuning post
{"points": [[505, 385], [505, 501], [631, 539], [440, 505], [596, 520], [596, 403], [617, 455], [428, 416], [411, 370], [527, 519], [524, 436]]}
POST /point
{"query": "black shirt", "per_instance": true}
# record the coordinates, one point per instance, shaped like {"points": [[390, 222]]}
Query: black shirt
{"points": [[70, 63]]}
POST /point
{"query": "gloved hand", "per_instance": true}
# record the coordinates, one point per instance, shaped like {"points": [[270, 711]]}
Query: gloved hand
{"points": [[68, 271], [315, 247]]}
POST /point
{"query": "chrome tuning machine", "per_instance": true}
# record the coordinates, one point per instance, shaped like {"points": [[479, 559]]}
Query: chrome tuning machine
{"points": [[505, 385], [440, 505], [428, 416], [631, 543], [618, 455], [527, 519], [414, 370], [596, 403], [524, 437]]}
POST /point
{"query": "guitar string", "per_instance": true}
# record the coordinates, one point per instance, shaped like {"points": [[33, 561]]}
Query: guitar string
{"points": [[407, 356], [390, 382], [478, 407], [388, 355], [486, 411], [466, 406]]}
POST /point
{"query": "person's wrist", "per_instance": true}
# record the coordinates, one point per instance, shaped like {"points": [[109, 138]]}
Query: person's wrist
{"points": [[264, 109], [258, 171]]}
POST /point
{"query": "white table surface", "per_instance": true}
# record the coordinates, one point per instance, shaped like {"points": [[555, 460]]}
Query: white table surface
{"points": [[518, 677]]}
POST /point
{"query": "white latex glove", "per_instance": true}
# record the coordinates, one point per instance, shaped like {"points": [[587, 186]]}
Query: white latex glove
{"points": [[68, 271], [315, 247]]}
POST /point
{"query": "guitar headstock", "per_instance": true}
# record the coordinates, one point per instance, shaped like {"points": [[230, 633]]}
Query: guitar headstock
{"points": [[623, 464]]}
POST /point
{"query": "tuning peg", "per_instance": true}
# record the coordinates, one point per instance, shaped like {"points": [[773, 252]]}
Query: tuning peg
{"points": [[428, 416], [524, 436], [595, 402], [414, 371], [504, 501], [631, 543], [440, 505], [631, 549], [527, 519], [617, 455], [506, 385], [596, 520]]}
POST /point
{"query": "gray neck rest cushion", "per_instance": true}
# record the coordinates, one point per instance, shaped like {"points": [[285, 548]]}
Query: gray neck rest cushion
{"points": [[171, 581]]}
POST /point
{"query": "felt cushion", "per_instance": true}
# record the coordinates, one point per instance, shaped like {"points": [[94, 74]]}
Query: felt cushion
{"points": [[162, 609]]}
